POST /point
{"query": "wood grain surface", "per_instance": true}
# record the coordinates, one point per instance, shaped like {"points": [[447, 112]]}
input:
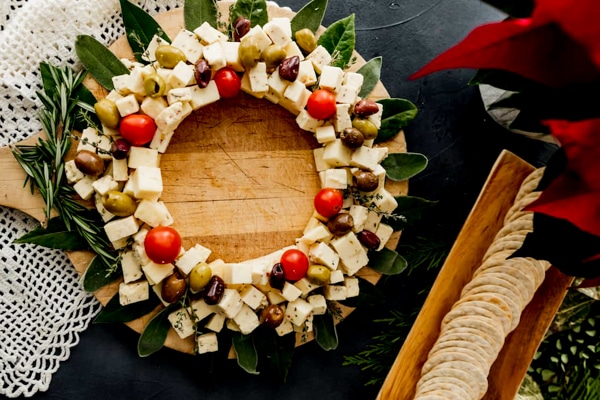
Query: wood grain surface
{"points": [[239, 176]]}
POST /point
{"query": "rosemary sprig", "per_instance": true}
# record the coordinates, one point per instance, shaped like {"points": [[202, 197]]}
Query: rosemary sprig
{"points": [[44, 162]]}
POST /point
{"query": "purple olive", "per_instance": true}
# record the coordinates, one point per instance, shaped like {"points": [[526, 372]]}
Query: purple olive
{"points": [[214, 290], [368, 239], [120, 148], [277, 277]]}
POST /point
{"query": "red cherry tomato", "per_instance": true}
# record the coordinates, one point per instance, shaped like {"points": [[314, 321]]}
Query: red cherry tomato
{"points": [[329, 202], [137, 129], [321, 104], [228, 82], [162, 244], [295, 264]]}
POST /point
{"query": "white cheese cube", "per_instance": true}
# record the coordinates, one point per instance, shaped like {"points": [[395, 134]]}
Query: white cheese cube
{"points": [[231, 303], [155, 273], [334, 292], [359, 216], [221, 269], [252, 296], [204, 96], [312, 223], [297, 94], [94, 141], [182, 75], [231, 51], [231, 325], [246, 320], [331, 78], [353, 79], [305, 286], [106, 216], [110, 131], [274, 296], [337, 276], [202, 310], [298, 311], [284, 328], [193, 256], [153, 213], [373, 220], [292, 50], [153, 106], [208, 342], [278, 34], [182, 94], [73, 173], [289, 105], [104, 185], [121, 228], [165, 73], [207, 34], [352, 286], [308, 123], [306, 73], [132, 270], [215, 56], [320, 164], [365, 158], [216, 323], [319, 233], [134, 292], [246, 87], [336, 178], [258, 77], [276, 83], [352, 255], [384, 233], [182, 323], [120, 84], [336, 154], [347, 94], [142, 156], [120, 172], [148, 54], [240, 274], [127, 105], [325, 134], [290, 292], [384, 201], [113, 95], [319, 304], [320, 58], [261, 38], [189, 44], [147, 183], [342, 119], [321, 253], [135, 83]]}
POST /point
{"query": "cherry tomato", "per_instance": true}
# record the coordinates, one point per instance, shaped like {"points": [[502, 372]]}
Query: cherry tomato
{"points": [[137, 129], [321, 104], [162, 244], [228, 82], [295, 264], [329, 202]]}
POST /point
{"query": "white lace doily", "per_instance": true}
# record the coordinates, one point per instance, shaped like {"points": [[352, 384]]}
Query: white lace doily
{"points": [[42, 305]]}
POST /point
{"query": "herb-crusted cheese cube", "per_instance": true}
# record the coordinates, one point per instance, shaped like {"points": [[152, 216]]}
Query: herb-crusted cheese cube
{"points": [[157, 289], [320, 58], [153, 106], [221, 269], [246, 320], [183, 94], [135, 82], [319, 304], [258, 77], [246, 87], [240, 274], [352, 254], [120, 84], [325, 134], [276, 83], [336, 178], [104, 185], [352, 286], [193, 256], [155, 273], [127, 105], [149, 54], [274, 296], [292, 50], [182, 75], [359, 216], [134, 292], [231, 303], [306, 122], [342, 119], [337, 276], [252, 296], [120, 172], [336, 154], [153, 213], [284, 328], [305, 286], [215, 323], [189, 44], [321, 253], [132, 270], [384, 201], [320, 164], [261, 38], [319, 233], [231, 51], [106, 216], [353, 79], [306, 73], [147, 183], [215, 56], [204, 96], [384, 233], [334, 292], [207, 34], [207, 343], [73, 173], [347, 94], [373, 220], [202, 310], [277, 33], [297, 93], [142, 156], [365, 158], [331, 78], [121, 228], [182, 323], [94, 141], [298, 311], [290, 292]]}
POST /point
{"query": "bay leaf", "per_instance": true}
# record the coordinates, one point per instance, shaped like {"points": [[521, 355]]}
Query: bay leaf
{"points": [[402, 166], [275, 353], [97, 276], [371, 72], [253, 10], [114, 312], [325, 331], [100, 62], [397, 113], [197, 12], [247, 357], [54, 236], [387, 262], [154, 335], [310, 16], [140, 28], [339, 40]]}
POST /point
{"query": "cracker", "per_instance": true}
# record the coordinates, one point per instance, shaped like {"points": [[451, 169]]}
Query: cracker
{"points": [[484, 326], [467, 308], [465, 371], [490, 349], [526, 286], [514, 285], [471, 391], [509, 296], [450, 390], [460, 350], [525, 275]]}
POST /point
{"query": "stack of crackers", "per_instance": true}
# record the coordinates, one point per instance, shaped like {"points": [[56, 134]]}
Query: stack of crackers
{"points": [[489, 308]]}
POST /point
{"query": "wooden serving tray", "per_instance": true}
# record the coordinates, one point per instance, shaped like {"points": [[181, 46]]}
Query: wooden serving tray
{"points": [[239, 176], [482, 224]]}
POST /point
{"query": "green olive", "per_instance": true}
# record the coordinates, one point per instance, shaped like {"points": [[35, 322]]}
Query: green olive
{"points": [[318, 274], [249, 52], [273, 55], [107, 113], [200, 276], [169, 56], [154, 85], [368, 129], [306, 40], [119, 203]]}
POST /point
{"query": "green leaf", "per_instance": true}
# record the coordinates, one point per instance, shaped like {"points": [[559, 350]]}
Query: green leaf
{"points": [[325, 332], [247, 357], [54, 236], [197, 12], [98, 60], [397, 113], [48, 81], [114, 312], [339, 40], [310, 16], [254, 10], [154, 335], [97, 276], [140, 28], [275, 352], [387, 261], [371, 72], [411, 208], [401, 166]]}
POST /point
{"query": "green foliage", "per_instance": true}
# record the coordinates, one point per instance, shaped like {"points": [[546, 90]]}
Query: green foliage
{"points": [[247, 357], [371, 73], [114, 312], [310, 16], [339, 40], [254, 10], [99, 60], [154, 335], [197, 12], [54, 236], [140, 28]]}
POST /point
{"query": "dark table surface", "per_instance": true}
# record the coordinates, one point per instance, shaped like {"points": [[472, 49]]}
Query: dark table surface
{"points": [[451, 129]]}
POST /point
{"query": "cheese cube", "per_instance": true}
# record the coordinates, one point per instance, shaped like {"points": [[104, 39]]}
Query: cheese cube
{"points": [[320, 164], [359, 216], [352, 255], [231, 51], [276, 83], [365, 158], [189, 44], [104, 185], [306, 73], [308, 123], [221, 269], [127, 105], [321, 253], [278, 34], [215, 323], [337, 276], [336, 154], [120, 172], [246, 320], [384, 201], [94, 141], [284, 328], [258, 77], [204, 96], [182, 75], [261, 38], [73, 173], [132, 270], [297, 94], [193, 256], [384, 233], [347, 94], [106, 216], [149, 53], [274, 296], [325, 133], [298, 311], [202, 310], [135, 82], [147, 183], [121, 228], [153, 213], [182, 94], [134, 292], [353, 79], [320, 58], [319, 233], [252, 296], [208, 342], [153, 106], [292, 50], [336, 178], [373, 220], [331, 78], [142, 156], [215, 56], [155, 273], [157, 289], [231, 303], [352, 286], [246, 87], [240, 274], [318, 303], [182, 323], [342, 118], [120, 84], [290, 292], [207, 34], [305, 286], [334, 292]]}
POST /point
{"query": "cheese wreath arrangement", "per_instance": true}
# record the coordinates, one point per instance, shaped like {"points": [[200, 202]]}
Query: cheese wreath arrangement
{"points": [[222, 51]]}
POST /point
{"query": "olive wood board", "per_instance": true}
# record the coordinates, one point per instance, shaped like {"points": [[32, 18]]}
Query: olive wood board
{"points": [[477, 233], [239, 177]]}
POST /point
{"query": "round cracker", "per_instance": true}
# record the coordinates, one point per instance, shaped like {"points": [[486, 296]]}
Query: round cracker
{"points": [[475, 354], [469, 373], [489, 349], [445, 356], [484, 326], [500, 309], [513, 269], [506, 245], [471, 309], [526, 286], [450, 390], [488, 278], [509, 296], [498, 299], [471, 391]]}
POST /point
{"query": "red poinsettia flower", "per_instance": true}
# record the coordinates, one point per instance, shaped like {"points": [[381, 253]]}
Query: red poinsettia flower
{"points": [[558, 46]]}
